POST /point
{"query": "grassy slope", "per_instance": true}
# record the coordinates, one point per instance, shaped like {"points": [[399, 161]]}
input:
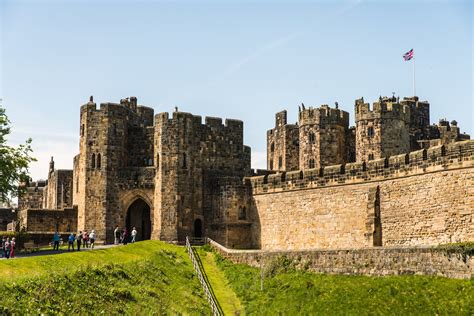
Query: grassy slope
{"points": [[294, 293], [227, 298], [145, 278]]}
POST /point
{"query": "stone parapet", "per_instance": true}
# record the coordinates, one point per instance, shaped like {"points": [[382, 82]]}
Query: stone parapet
{"points": [[450, 156], [376, 261]]}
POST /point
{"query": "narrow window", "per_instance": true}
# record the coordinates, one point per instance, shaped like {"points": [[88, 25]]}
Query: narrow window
{"points": [[425, 154], [242, 213], [184, 161], [99, 162], [280, 162], [312, 138], [77, 185], [271, 164], [371, 157], [370, 132], [272, 147], [377, 241], [93, 161], [311, 163]]}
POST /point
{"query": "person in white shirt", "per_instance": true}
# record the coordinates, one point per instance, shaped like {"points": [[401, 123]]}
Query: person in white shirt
{"points": [[134, 234], [92, 238]]}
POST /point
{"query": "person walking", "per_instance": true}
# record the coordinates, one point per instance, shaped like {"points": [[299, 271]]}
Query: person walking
{"points": [[56, 239], [12, 248], [125, 236], [4, 239], [92, 238], [85, 239], [79, 240], [134, 234], [71, 242], [6, 251], [117, 235]]}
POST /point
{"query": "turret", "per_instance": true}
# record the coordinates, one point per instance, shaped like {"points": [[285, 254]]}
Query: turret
{"points": [[322, 136], [382, 131]]}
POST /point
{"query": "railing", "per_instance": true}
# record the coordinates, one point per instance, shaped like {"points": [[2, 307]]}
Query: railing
{"points": [[211, 298]]}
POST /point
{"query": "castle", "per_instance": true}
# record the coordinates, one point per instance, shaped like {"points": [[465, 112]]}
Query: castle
{"points": [[393, 179]]}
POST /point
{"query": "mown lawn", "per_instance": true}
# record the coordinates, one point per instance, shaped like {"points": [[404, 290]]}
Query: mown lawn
{"points": [[290, 292], [148, 277]]}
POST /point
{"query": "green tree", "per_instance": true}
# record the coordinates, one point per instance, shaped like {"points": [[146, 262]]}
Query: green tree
{"points": [[14, 162]]}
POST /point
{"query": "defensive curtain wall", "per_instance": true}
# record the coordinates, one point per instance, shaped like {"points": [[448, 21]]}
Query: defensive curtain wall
{"points": [[425, 197]]}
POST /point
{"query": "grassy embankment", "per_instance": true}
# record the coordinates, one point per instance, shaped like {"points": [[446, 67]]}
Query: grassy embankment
{"points": [[290, 292], [224, 293], [148, 277]]}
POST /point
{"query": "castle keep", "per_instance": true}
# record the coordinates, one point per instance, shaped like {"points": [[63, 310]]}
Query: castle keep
{"points": [[392, 179]]}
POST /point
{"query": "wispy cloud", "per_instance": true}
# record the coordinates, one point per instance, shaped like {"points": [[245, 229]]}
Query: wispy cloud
{"points": [[266, 48]]}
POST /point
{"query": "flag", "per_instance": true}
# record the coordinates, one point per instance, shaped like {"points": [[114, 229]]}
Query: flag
{"points": [[408, 55]]}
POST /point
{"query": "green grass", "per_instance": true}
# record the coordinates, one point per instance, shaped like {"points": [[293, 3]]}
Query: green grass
{"points": [[144, 278], [290, 292], [227, 298]]}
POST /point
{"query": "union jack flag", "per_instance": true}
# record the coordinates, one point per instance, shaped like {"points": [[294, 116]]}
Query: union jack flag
{"points": [[408, 55]]}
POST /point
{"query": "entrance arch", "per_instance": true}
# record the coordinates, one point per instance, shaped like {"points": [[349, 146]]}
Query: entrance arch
{"points": [[198, 228], [138, 216]]}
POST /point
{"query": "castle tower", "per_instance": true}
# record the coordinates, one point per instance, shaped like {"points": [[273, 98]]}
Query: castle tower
{"points": [[419, 120], [283, 145], [191, 160], [382, 131], [322, 137], [105, 148]]}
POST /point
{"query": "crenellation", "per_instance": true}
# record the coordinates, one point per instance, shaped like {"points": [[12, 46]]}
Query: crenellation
{"points": [[413, 163], [327, 185]]}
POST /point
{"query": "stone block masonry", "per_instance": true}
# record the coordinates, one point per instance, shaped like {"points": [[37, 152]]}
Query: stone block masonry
{"points": [[424, 198], [381, 261]]}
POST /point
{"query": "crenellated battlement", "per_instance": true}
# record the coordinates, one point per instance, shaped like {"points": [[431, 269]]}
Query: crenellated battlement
{"points": [[450, 156], [209, 121], [384, 108], [144, 114], [323, 115]]}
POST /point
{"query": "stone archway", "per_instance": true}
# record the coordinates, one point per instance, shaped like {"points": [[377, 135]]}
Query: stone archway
{"points": [[138, 216]]}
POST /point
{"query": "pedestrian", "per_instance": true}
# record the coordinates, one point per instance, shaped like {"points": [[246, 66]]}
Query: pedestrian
{"points": [[12, 248], [92, 238], [79, 240], [56, 239], [85, 239], [4, 239], [71, 242], [117, 235], [134, 234], [7, 248], [125, 236]]}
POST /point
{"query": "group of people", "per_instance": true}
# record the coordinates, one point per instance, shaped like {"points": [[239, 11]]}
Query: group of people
{"points": [[84, 239], [123, 237], [8, 247]]}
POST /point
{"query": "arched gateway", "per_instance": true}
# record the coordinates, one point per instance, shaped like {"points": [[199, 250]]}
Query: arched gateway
{"points": [[138, 216]]}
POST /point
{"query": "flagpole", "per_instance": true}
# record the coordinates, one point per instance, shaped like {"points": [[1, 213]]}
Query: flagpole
{"points": [[414, 86]]}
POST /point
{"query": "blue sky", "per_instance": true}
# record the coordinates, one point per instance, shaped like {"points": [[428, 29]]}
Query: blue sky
{"points": [[232, 59]]}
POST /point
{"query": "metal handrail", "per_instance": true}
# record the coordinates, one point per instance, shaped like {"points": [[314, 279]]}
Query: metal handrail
{"points": [[215, 307]]}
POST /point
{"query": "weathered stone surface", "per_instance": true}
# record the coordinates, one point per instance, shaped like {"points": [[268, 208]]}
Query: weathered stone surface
{"points": [[379, 261]]}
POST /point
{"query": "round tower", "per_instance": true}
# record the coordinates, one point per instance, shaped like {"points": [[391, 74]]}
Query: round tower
{"points": [[382, 131], [322, 136]]}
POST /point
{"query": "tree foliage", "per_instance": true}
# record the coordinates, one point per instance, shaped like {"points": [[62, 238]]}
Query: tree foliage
{"points": [[14, 161]]}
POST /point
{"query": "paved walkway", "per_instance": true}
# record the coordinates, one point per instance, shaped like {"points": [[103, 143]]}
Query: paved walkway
{"points": [[46, 252]]}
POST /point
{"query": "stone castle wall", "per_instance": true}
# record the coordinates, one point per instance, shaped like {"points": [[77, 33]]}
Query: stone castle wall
{"points": [[44, 220], [424, 198], [380, 261]]}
